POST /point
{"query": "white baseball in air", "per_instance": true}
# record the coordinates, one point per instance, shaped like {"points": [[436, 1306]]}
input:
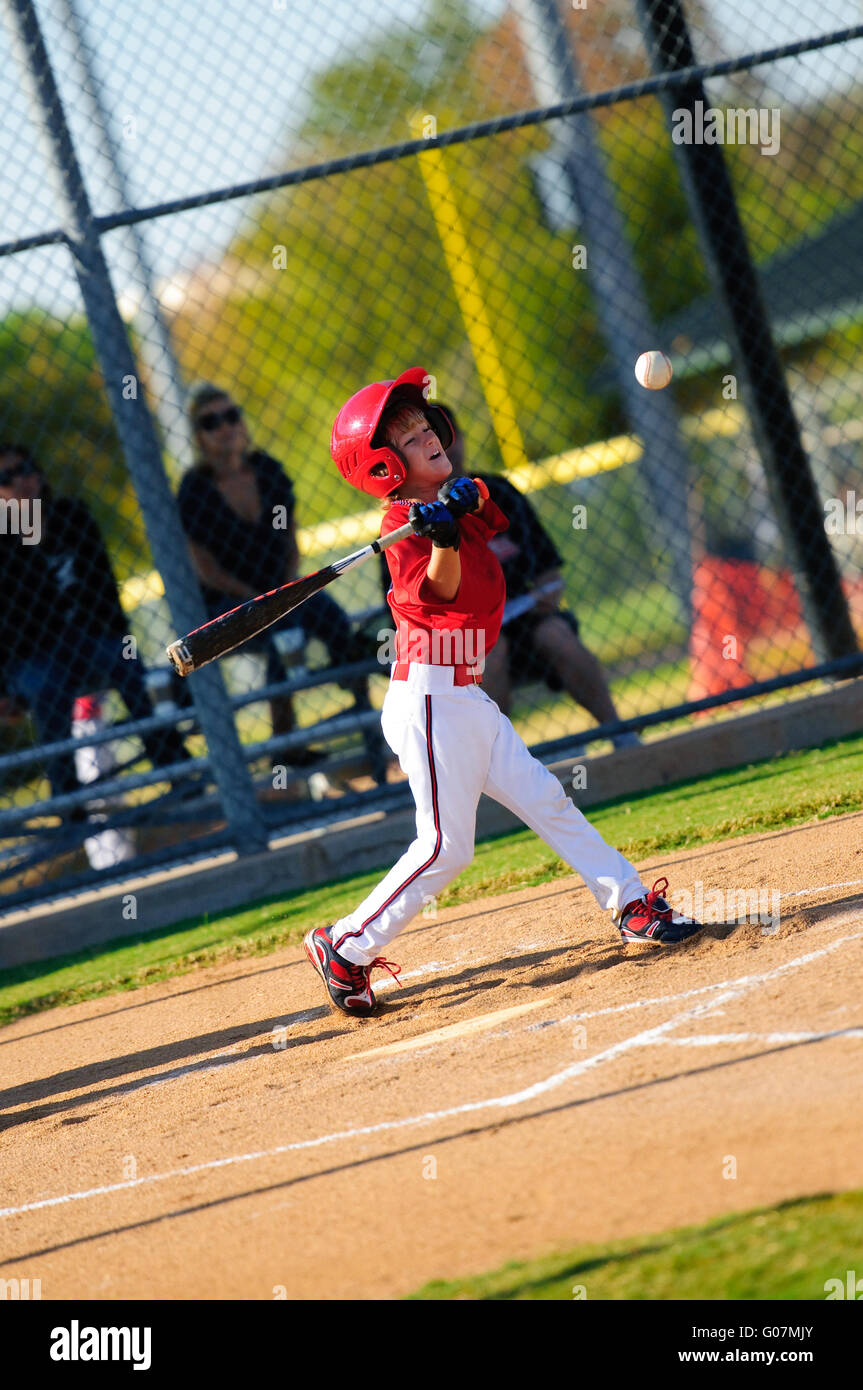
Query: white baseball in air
{"points": [[653, 370]]}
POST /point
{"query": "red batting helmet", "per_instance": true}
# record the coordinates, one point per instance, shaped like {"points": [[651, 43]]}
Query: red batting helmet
{"points": [[357, 443]]}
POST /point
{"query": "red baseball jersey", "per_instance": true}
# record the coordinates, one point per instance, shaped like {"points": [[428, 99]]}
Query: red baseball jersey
{"points": [[464, 629]]}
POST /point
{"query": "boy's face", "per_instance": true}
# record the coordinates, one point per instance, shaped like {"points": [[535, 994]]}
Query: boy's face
{"points": [[427, 464]]}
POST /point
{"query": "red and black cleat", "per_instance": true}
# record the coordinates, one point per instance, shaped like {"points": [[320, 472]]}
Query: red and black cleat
{"points": [[653, 920], [348, 985]]}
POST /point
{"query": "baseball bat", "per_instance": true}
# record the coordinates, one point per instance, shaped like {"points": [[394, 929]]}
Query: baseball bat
{"points": [[230, 630]]}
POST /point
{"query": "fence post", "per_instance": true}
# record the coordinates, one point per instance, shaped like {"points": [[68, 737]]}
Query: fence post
{"points": [[623, 316], [156, 349], [777, 434], [134, 424]]}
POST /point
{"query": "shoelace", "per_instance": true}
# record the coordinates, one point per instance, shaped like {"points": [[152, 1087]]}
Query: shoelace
{"points": [[360, 973], [381, 964], [658, 891], [649, 902]]}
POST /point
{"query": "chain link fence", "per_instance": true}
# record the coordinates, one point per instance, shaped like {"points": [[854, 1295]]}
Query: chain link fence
{"points": [[220, 223]]}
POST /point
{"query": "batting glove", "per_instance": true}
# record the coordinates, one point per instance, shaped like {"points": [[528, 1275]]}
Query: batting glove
{"points": [[461, 496], [436, 523]]}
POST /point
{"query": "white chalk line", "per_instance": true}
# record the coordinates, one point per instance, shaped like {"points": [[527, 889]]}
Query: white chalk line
{"points": [[732, 990], [712, 1039], [717, 1039], [435, 967], [745, 982], [701, 989], [824, 888]]}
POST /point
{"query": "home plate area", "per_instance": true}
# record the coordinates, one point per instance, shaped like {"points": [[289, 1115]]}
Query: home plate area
{"points": [[530, 1084]]}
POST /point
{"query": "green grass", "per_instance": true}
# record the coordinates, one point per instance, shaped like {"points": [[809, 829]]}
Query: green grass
{"points": [[619, 625], [539, 715], [782, 792], [788, 1251]]}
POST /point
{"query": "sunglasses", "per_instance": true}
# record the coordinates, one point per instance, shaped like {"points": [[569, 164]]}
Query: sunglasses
{"points": [[214, 418], [20, 470]]}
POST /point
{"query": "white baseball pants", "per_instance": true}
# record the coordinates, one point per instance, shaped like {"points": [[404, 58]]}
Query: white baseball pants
{"points": [[453, 743]]}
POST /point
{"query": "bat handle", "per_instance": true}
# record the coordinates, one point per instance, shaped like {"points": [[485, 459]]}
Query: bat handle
{"points": [[407, 530], [181, 658], [385, 542]]}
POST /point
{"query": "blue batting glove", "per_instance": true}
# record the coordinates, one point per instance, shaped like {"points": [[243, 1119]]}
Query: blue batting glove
{"points": [[461, 496], [436, 523]]}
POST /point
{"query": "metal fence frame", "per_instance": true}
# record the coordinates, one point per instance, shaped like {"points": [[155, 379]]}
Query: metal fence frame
{"points": [[785, 462]]}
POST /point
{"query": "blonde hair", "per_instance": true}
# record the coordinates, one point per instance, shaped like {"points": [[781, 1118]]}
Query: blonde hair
{"points": [[393, 422], [401, 419]]}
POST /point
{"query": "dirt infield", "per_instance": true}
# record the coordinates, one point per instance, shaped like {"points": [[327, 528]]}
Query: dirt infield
{"points": [[532, 1084]]}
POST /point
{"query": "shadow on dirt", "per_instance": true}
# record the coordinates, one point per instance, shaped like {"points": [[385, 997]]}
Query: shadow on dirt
{"points": [[135, 1062]]}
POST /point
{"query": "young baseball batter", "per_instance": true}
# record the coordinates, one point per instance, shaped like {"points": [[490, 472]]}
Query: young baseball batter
{"points": [[451, 740]]}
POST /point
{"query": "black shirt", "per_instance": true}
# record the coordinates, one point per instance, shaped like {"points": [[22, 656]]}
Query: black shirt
{"points": [[254, 552], [533, 552], [59, 589]]}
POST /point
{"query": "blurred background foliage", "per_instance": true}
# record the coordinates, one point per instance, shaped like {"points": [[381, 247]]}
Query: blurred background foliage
{"points": [[293, 299], [343, 280]]}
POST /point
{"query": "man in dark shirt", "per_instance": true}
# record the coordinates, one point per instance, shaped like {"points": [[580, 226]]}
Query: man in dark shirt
{"points": [[62, 626], [538, 639]]}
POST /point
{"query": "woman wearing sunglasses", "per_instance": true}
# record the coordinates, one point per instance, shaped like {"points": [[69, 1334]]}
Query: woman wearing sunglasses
{"points": [[237, 508]]}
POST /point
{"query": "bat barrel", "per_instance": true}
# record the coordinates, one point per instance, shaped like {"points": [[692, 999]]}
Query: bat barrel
{"points": [[228, 631]]}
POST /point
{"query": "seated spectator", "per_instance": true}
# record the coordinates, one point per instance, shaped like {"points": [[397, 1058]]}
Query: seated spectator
{"points": [[237, 508], [538, 638], [62, 626]]}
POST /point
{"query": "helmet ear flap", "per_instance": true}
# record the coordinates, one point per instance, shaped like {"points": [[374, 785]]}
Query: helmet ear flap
{"points": [[393, 460], [394, 449]]}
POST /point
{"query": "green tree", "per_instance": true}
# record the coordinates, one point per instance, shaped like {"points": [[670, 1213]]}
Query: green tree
{"points": [[52, 399]]}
